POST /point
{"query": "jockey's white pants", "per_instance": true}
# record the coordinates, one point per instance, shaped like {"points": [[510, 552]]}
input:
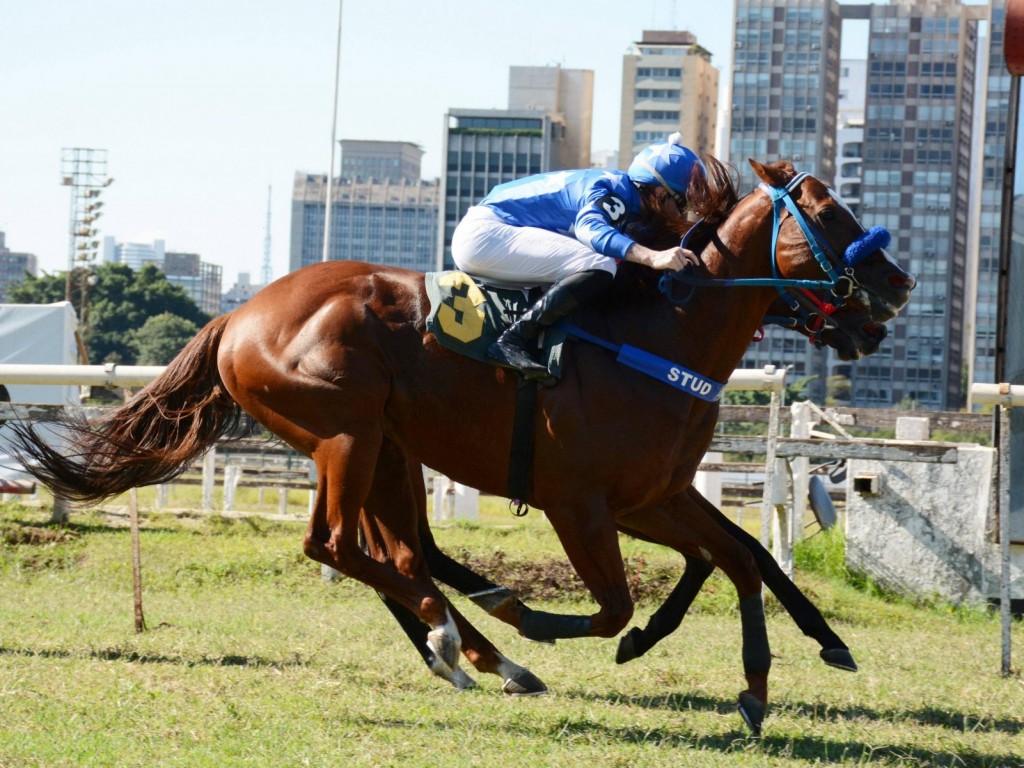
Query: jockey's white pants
{"points": [[486, 246]]}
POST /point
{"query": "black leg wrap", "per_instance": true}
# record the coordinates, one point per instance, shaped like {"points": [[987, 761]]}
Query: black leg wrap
{"points": [[544, 626], [757, 656]]}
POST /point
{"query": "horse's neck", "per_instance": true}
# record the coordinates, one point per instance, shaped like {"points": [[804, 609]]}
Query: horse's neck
{"points": [[711, 333]]}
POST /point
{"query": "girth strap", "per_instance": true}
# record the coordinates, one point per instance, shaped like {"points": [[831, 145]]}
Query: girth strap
{"points": [[520, 460]]}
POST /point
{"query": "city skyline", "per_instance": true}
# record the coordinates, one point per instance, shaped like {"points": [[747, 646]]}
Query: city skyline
{"points": [[198, 120]]}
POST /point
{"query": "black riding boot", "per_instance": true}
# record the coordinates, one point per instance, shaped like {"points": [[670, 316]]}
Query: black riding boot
{"points": [[515, 347]]}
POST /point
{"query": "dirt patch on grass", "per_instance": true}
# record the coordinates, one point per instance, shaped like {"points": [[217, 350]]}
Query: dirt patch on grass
{"points": [[34, 536], [550, 579]]}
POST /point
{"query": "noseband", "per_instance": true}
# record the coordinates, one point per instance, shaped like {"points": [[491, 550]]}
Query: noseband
{"points": [[839, 286]]}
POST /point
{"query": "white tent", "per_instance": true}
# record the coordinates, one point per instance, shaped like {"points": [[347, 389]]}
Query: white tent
{"points": [[45, 334]]}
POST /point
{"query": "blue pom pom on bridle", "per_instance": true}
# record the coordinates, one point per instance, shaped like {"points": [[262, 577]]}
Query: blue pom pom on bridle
{"points": [[875, 239]]}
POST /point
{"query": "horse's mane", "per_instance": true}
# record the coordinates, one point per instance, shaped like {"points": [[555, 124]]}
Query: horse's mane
{"points": [[711, 197]]}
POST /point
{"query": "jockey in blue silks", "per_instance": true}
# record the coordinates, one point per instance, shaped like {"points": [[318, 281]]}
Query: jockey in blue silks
{"points": [[565, 228]]}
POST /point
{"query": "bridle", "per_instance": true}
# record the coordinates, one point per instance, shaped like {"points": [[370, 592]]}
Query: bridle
{"points": [[839, 286]]}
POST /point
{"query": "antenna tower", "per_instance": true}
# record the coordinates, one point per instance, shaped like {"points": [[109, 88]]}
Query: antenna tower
{"points": [[267, 275]]}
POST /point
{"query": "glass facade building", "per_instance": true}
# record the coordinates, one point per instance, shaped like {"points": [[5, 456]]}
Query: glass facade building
{"points": [[546, 128], [911, 171]]}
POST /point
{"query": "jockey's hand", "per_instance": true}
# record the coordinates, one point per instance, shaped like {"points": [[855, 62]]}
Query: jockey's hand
{"points": [[672, 259]]}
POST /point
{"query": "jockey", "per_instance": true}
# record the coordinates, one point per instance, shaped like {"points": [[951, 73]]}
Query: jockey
{"points": [[565, 228]]}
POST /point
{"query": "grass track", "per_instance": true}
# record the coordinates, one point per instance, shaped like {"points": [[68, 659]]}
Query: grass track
{"points": [[252, 660]]}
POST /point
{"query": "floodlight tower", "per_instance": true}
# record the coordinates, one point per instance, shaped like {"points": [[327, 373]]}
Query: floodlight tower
{"points": [[85, 171]]}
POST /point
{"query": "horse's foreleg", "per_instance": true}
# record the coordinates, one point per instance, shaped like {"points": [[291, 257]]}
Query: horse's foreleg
{"points": [[808, 618], [679, 524], [669, 616], [590, 540]]}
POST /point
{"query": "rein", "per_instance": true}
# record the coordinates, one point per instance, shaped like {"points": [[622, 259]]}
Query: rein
{"points": [[839, 286]]}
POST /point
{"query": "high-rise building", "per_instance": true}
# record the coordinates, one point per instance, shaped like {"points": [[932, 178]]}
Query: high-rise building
{"points": [[785, 85], [784, 104], [545, 128], [377, 222], [199, 279], [849, 175], [668, 85], [14, 266], [381, 211], [988, 170], [919, 91], [392, 161], [135, 255], [917, 149]]}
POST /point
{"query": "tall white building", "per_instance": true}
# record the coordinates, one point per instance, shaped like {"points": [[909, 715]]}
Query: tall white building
{"points": [[668, 85]]}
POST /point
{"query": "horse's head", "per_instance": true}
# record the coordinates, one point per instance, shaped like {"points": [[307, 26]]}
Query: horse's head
{"points": [[816, 233]]}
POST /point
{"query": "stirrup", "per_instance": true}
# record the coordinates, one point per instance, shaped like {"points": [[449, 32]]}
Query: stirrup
{"points": [[512, 356]]}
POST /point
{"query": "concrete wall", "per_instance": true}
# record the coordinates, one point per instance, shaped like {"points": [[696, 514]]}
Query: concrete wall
{"points": [[929, 529]]}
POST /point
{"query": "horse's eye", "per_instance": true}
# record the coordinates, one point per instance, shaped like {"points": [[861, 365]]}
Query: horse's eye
{"points": [[827, 214]]}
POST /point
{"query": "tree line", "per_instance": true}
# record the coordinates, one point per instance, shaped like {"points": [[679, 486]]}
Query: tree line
{"points": [[131, 317]]}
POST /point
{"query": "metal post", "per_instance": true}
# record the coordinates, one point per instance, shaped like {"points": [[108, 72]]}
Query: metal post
{"points": [[334, 134], [133, 511], [1004, 535]]}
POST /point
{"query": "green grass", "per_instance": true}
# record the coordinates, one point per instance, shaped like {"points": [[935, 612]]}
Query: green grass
{"points": [[250, 659]]}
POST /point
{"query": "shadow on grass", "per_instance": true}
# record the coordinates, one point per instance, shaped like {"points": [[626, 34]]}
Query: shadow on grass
{"points": [[962, 722], [123, 654], [811, 748]]}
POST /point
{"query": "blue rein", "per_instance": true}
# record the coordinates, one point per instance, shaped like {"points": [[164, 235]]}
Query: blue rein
{"points": [[870, 241]]}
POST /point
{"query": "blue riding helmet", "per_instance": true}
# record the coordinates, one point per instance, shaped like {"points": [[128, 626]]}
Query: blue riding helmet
{"points": [[670, 164]]}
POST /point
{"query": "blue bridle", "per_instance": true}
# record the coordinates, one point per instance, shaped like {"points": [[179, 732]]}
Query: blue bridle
{"points": [[841, 286]]}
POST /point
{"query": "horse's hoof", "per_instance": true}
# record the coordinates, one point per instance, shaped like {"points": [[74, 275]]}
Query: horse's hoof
{"points": [[444, 646], [752, 711], [454, 675], [840, 658], [627, 650], [524, 683]]}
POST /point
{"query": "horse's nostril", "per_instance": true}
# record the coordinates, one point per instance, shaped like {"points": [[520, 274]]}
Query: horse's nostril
{"points": [[875, 331], [908, 281]]}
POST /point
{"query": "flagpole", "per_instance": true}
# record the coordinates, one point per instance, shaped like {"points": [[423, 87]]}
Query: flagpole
{"points": [[334, 141]]}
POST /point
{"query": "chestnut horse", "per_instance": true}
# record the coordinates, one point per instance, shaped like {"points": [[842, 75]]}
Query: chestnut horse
{"points": [[335, 359]]}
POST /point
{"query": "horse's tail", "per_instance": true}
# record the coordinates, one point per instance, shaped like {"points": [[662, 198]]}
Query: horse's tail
{"points": [[152, 438]]}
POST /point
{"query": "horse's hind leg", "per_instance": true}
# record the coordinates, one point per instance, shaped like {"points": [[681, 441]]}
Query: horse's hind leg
{"points": [[385, 500], [347, 467], [680, 523]]}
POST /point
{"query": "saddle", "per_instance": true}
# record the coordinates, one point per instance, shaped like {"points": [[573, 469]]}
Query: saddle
{"points": [[467, 315]]}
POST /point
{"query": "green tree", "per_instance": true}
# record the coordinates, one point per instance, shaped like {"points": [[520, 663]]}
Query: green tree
{"points": [[119, 302], [794, 392], [839, 389], [161, 338]]}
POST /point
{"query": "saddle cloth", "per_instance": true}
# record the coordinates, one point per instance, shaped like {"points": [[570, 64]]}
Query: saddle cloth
{"points": [[467, 316]]}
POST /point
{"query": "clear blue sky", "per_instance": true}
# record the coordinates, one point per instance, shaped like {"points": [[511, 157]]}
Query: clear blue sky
{"points": [[203, 105]]}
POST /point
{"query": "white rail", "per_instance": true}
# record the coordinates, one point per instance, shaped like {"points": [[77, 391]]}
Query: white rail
{"points": [[109, 375]]}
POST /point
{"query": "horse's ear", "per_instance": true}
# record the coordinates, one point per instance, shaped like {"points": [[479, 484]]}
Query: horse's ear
{"points": [[774, 175]]}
